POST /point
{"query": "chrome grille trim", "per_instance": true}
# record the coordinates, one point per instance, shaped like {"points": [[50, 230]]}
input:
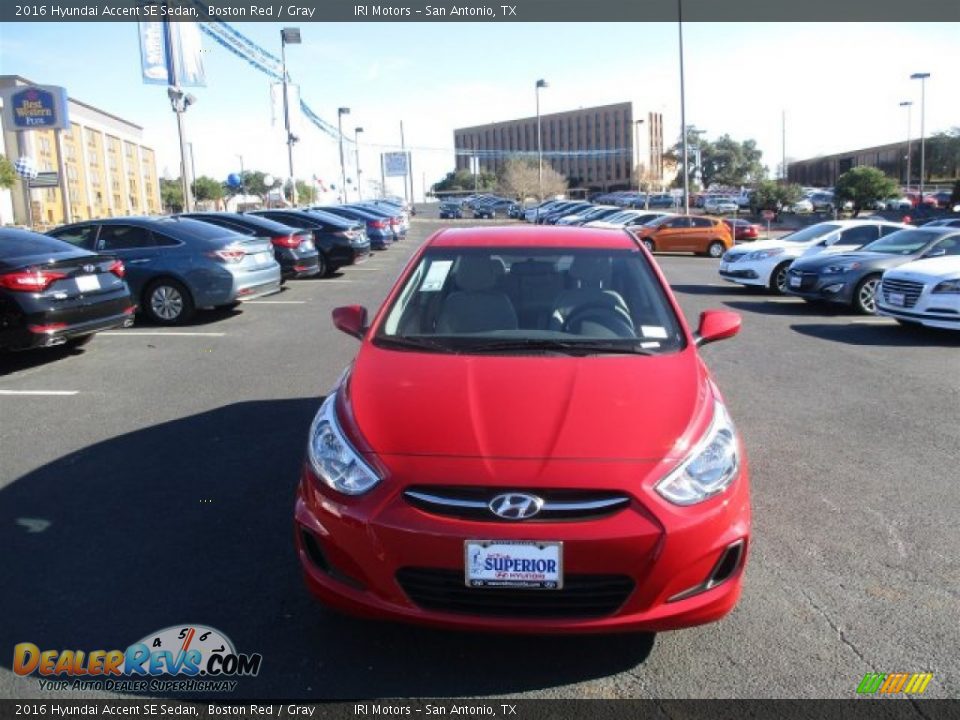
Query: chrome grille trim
{"points": [[556, 508]]}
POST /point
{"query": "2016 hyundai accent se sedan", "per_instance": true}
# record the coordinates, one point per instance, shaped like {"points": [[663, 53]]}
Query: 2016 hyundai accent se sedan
{"points": [[527, 441]]}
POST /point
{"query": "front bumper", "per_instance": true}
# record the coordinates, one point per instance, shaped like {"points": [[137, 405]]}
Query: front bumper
{"points": [[747, 272], [829, 288], [924, 315], [357, 554]]}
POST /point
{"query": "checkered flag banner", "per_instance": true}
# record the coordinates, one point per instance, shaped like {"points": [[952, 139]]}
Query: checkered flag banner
{"points": [[26, 167]]}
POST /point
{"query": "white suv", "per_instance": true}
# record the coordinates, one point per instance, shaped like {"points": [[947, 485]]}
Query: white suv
{"points": [[765, 263]]}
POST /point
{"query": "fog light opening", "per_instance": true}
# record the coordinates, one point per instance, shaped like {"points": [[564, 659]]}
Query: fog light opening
{"points": [[321, 562], [726, 567]]}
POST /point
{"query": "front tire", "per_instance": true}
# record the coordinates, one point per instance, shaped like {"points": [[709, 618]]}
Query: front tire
{"points": [[865, 296], [778, 279], [716, 249], [648, 244], [168, 302]]}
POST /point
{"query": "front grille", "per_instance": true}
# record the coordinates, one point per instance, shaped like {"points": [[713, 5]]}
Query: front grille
{"points": [[807, 280], [581, 596], [473, 503], [910, 290]]}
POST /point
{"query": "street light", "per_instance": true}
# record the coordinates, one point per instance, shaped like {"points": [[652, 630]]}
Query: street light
{"points": [[922, 77], [243, 183], [908, 104], [683, 115], [356, 148], [288, 36], [540, 84], [180, 101], [343, 170]]}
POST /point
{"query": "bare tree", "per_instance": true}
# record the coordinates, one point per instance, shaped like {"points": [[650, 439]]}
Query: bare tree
{"points": [[519, 179], [647, 181]]}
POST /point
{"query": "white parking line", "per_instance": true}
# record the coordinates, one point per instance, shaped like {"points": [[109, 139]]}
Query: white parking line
{"points": [[276, 302], [874, 321], [793, 301], [134, 333], [38, 392]]}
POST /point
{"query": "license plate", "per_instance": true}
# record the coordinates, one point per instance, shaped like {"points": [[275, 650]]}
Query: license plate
{"points": [[262, 258], [513, 564], [896, 299], [795, 281], [86, 283]]}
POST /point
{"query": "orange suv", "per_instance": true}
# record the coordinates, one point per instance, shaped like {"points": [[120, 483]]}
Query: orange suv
{"points": [[686, 233]]}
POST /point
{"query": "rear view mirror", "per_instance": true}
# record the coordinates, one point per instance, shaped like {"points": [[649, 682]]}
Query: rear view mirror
{"points": [[351, 319], [716, 325]]}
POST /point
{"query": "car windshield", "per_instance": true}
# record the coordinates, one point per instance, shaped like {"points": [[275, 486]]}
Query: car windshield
{"points": [[904, 242], [532, 300], [811, 233], [620, 217]]}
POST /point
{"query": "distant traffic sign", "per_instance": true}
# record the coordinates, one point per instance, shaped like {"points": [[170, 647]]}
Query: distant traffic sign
{"points": [[769, 214], [45, 180]]}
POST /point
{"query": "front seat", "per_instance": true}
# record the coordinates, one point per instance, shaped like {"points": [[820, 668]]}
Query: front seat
{"points": [[592, 276], [478, 305]]}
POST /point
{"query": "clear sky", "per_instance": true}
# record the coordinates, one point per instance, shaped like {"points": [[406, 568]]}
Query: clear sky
{"points": [[839, 83]]}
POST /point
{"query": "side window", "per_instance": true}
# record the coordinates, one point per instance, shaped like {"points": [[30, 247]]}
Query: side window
{"points": [[679, 222], [857, 236], [887, 229], [161, 240], [125, 237], [699, 222], [949, 246], [82, 237]]}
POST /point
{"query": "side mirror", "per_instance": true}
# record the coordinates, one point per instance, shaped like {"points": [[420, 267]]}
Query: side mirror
{"points": [[716, 325], [351, 319], [936, 252]]}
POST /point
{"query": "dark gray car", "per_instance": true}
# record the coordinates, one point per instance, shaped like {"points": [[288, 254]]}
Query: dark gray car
{"points": [[853, 278]]}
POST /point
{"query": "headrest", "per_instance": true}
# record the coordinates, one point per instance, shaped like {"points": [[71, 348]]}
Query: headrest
{"points": [[591, 270], [475, 273]]}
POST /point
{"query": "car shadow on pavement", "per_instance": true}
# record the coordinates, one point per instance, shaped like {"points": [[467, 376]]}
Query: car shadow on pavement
{"points": [[12, 362], [881, 335], [190, 522], [733, 290], [788, 306]]}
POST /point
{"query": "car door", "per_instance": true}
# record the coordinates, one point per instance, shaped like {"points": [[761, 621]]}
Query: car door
{"points": [[136, 247], [698, 237], [670, 235]]}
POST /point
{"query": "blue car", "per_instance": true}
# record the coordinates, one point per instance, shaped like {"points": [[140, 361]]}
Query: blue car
{"points": [[378, 226], [176, 265], [399, 221]]}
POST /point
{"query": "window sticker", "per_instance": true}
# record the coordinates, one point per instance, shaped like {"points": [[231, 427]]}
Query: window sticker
{"points": [[648, 345], [653, 331], [437, 275]]}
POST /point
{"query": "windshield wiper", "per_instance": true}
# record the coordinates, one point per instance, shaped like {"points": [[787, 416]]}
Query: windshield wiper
{"points": [[570, 347], [413, 343]]}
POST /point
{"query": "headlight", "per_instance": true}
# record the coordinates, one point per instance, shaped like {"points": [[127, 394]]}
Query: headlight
{"points": [[837, 269], [764, 254], [947, 286], [332, 457], [709, 468]]}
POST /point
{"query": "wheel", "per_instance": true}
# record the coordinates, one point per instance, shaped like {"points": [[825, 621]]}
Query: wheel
{"points": [[77, 342], [865, 296], [648, 244], [323, 267], [715, 249], [778, 279], [168, 302]]}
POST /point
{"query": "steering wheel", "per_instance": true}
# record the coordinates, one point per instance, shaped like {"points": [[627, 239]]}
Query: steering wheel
{"points": [[613, 317]]}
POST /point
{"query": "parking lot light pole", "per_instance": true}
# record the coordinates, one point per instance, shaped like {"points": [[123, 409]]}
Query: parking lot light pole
{"points": [[540, 84], [922, 77], [908, 104], [288, 36], [243, 183], [683, 116], [356, 150], [636, 144], [343, 169]]}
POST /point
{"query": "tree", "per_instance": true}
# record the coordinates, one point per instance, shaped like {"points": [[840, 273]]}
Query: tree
{"points": [[8, 176], [206, 189], [770, 195], [462, 180], [724, 161], [171, 195], [519, 178], [863, 185], [942, 158], [647, 181], [306, 194]]}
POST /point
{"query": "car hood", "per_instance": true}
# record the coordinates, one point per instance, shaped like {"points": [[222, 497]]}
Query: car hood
{"points": [[939, 268], [534, 407], [814, 263]]}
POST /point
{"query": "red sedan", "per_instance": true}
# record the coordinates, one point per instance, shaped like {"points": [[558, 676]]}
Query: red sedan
{"points": [[742, 230], [527, 441]]}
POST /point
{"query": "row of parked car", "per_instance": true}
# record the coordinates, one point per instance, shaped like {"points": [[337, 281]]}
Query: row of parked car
{"points": [[873, 266], [487, 207], [62, 287]]}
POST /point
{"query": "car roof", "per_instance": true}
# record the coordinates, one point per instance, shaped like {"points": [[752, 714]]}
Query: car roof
{"points": [[533, 236]]}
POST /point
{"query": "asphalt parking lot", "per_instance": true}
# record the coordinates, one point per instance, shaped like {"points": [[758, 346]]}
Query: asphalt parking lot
{"points": [[148, 481]]}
